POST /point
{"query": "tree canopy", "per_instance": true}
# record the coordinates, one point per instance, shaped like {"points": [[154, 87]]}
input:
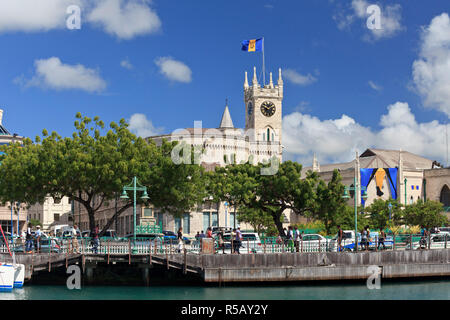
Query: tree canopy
{"points": [[92, 168]]}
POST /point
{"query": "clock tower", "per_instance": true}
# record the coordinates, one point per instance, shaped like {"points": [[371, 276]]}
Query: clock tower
{"points": [[263, 110]]}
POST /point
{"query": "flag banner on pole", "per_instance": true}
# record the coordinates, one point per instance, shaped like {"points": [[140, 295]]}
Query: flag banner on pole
{"points": [[252, 45]]}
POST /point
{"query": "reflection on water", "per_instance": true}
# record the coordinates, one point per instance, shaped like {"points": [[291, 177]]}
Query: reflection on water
{"points": [[427, 290]]}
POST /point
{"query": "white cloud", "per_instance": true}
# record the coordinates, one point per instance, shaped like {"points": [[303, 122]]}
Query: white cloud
{"points": [[32, 15], [174, 70], [375, 86], [390, 19], [126, 64], [297, 78], [431, 71], [142, 127], [52, 73], [336, 140], [125, 19]]}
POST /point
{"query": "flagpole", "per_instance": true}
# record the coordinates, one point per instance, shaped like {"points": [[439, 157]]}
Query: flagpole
{"points": [[264, 66]]}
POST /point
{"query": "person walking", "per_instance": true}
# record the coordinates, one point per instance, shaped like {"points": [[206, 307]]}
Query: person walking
{"points": [[381, 239], [233, 242], [94, 236], [297, 239], [180, 239], [209, 232]]}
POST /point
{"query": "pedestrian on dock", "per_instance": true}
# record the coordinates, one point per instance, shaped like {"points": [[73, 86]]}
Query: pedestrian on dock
{"points": [[238, 240], [180, 239], [365, 238], [37, 235], [29, 240], [297, 239], [381, 239], [221, 242], [74, 239], [94, 236]]}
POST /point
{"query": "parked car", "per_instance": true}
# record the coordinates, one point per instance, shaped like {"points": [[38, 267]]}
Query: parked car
{"points": [[68, 233], [312, 242], [46, 245], [171, 237], [438, 241], [250, 243], [444, 230]]}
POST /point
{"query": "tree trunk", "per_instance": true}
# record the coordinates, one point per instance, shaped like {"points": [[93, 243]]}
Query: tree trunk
{"points": [[277, 219]]}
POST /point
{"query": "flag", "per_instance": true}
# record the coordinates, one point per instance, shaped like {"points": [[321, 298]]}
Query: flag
{"points": [[252, 45]]}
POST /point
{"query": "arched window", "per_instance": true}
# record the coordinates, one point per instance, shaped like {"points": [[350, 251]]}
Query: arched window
{"points": [[445, 196]]}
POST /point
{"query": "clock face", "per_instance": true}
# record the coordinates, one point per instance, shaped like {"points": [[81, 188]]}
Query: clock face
{"points": [[268, 108], [250, 108]]}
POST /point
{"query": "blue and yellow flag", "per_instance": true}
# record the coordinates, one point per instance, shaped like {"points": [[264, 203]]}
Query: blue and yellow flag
{"points": [[252, 45]]}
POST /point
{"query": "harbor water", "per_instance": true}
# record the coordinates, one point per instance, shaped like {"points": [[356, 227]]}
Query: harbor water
{"points": [[423, 290]]}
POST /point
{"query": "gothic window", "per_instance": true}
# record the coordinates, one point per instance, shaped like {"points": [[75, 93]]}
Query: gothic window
{"points": [[445, 196]]}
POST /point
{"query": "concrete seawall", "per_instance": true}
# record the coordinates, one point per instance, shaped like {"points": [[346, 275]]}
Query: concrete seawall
{"points": [[218, 268], [323, 266]]}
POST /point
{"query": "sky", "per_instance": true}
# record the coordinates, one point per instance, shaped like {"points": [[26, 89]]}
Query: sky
{"points": [[162, 65]]}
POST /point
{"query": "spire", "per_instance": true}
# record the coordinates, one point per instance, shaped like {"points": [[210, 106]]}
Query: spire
{"points": [[316, 165], [226, 122], [280, 80], [245, 81], [255, 80], [271, 81]]}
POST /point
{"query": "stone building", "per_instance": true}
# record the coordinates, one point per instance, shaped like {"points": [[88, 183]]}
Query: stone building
{"points": [[52, 212], [259, 141], [386, 174], [18, 213]]}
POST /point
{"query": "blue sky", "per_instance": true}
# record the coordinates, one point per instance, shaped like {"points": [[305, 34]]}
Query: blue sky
{"points": [[337, 65]]}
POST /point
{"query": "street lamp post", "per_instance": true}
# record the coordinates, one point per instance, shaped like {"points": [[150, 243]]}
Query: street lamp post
{"points": [[357, 188], [226, 212], [406, 203], [134, 186], [390, 210]]}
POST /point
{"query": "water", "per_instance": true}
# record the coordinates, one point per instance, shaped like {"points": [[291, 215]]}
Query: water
{"points": [[427, 290]]}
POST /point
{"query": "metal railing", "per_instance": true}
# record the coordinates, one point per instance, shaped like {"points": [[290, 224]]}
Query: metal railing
{"points": [[145, 246]]}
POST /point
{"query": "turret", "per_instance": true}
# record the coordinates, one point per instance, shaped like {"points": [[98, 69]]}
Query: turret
{"points": [[255, 80], [245, 81]]}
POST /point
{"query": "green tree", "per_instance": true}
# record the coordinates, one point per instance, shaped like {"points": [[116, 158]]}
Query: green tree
{"points": [[379, 213], [271, 194], [428, 214], [92, 168], [329, 203], [34, 222], [261, 221]]}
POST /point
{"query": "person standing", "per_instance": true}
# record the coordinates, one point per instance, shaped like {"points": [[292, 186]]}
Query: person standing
{"points": [[381, 239], [29, 240], [221, 241], [37, 236], [364, 238], [233, 241], [94, 236], [74, 239], [180, 239], [297, 239], [238, 240], [209, 232]]}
